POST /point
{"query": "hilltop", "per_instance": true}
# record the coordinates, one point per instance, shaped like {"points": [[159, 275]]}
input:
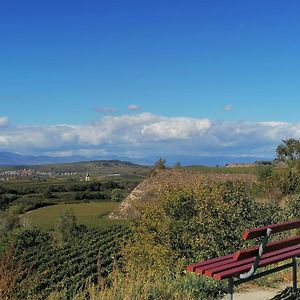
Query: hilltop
{"points": [[149, 189], [97, 169]]}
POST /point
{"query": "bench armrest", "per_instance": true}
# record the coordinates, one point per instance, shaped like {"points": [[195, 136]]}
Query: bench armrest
{"points": [[262, 247]]}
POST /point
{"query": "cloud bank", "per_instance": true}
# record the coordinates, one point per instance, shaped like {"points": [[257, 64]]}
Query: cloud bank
{"points": [[146, 134]]}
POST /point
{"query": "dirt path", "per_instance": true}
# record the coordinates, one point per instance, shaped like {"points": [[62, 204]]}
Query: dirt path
{"points": [[256, 294], [259, 293]]}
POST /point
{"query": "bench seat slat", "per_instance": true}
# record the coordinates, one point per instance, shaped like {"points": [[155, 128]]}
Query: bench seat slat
{"points": [[261, 231], [272, 246], [193, 267], [202, 269], [264, 262], [211, 271]]}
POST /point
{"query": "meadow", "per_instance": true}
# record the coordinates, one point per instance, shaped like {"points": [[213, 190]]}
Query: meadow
{"points": [[94, 214]]}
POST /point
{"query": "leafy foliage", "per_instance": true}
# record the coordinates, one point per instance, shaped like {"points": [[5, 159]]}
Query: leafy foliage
{"points": [[35, 194], [264, 172], [117, 195], [9, 274], [46, 268], [195, 223], [289, 150], [68, 226], [160, 164], [293, 207]]}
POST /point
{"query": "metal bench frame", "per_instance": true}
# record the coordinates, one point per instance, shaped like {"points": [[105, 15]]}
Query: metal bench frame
{"points": [[282, 249], [250, 275]]}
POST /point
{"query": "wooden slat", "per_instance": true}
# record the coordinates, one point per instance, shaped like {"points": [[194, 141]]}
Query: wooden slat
{"points": [[234, 264], [273, 246], [200, 270], [193, 267], [264, 262], [211, 271], [261, 231]]}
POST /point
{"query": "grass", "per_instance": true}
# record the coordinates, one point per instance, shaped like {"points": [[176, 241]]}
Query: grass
{"points": [[93, 214], [141, 284], [232, 170]]}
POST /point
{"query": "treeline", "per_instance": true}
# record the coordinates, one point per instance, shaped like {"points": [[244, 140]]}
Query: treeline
{"points": [[66, 187], [24, 198]]}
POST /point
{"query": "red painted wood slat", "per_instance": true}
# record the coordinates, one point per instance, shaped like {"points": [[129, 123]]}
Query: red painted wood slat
{"points": [[272, 260], [210, 272], [200, 270], [261, 231], [192, 267], [272, 246]]}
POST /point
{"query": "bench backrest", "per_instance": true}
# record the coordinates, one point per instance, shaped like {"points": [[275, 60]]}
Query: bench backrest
{"points": [[269, 247], [272, 246], [261, 231]]}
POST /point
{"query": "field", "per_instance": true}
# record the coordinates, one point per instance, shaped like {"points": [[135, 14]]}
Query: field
{"points": [[92, 214], [231, 170]]}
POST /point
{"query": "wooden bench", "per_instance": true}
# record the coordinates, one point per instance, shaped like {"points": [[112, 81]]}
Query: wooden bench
{"points": [[241, 266]]}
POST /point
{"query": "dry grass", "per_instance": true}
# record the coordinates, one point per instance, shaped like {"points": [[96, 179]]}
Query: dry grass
{"points": [[135, 285], [9, 273]]}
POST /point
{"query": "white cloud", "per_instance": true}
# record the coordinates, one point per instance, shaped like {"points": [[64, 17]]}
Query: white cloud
{"points": [[133, 107], [4, 121], [146, 134], [104, 110], [176, 128], [228, 107]]}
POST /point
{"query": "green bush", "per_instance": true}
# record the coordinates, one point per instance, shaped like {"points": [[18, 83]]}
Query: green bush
{"points": [[263, 172], [192, 224], [292, 209], [68, 226], [288, 182], [117, 195], [197, 223]]}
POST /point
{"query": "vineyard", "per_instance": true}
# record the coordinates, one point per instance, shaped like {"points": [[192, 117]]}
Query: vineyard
{"points": [[68, 268]]}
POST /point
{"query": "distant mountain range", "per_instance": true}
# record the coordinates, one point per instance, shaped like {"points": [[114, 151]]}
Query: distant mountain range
{"points": [[13, 159]]}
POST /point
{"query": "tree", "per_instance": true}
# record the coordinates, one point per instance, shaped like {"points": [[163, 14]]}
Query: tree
{"points": [[117, 195], [289, 151], [68, 225], [160, 164], [8, 222]]}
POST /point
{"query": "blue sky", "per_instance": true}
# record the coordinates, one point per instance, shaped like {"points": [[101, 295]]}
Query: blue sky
{"points": [[88, 64]]}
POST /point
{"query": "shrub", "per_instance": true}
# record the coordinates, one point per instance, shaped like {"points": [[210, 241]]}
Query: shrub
{"points": [[68, 226], [292, 209], [288, 182], [193, 224], [190, 224], [117, 195], [263, 172], [8, 222], [10, 272]]}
